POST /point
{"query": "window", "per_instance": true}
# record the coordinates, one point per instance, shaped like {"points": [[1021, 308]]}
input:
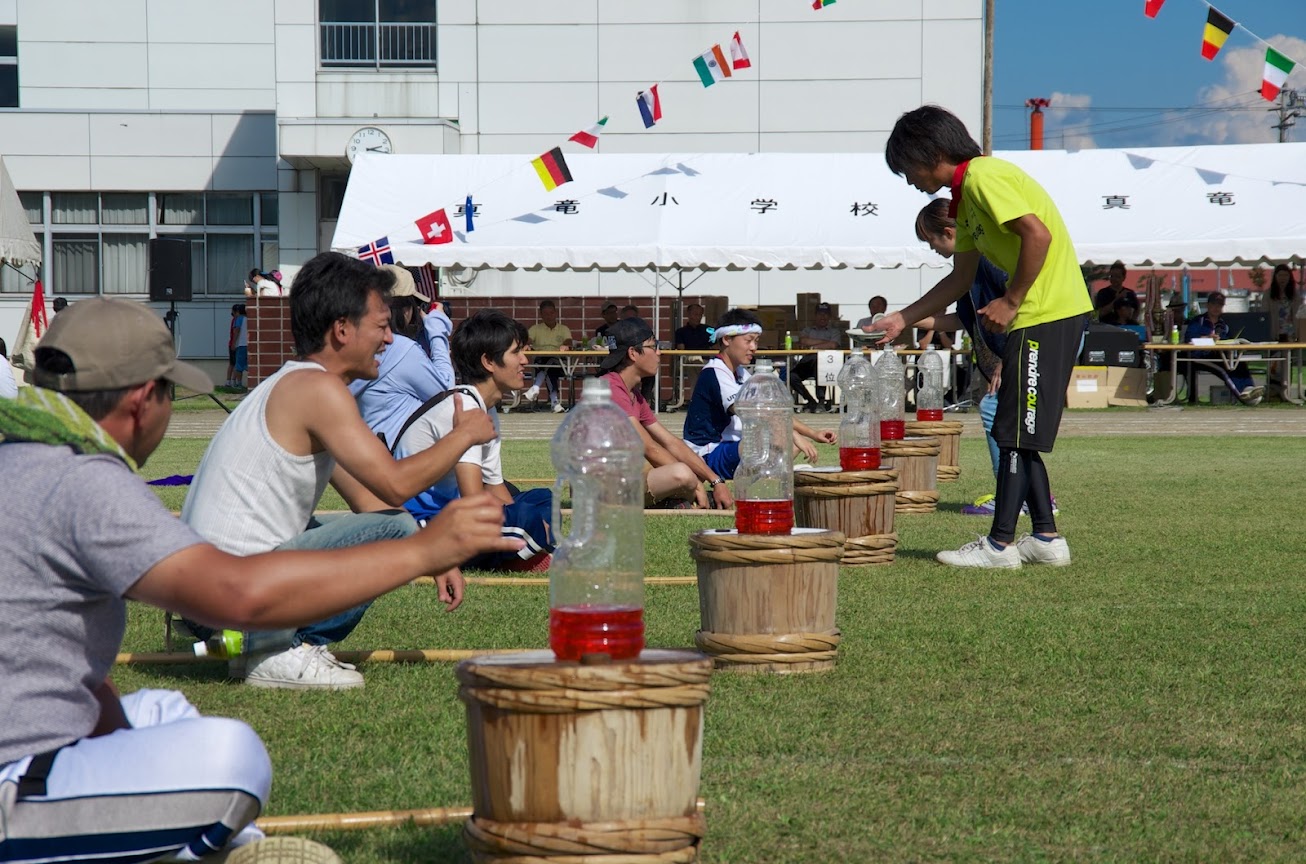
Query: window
{"points": [[331, 194], [8, 66], [372, 34], [98, 243]]}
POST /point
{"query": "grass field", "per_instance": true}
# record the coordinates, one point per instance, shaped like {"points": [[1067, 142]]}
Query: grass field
{"points": [[1144, 703]]}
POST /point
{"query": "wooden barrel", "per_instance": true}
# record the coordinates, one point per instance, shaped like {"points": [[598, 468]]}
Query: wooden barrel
{"points": [[917, 462], [573, 762], [859, 504], [767, 601], [949, 434]]}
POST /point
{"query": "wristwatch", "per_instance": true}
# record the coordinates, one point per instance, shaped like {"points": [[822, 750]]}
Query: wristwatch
{"points": [[712, 484]]}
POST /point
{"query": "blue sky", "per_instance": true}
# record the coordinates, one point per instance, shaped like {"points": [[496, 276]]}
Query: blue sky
{"points": [[1094, 56]]}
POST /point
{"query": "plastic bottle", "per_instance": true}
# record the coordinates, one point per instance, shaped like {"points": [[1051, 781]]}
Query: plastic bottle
{"points": [[890, 387], [596, 581], [789, 340], [764, 480], [929, 395], [859, 431], [1174, 334], [226, 644]]}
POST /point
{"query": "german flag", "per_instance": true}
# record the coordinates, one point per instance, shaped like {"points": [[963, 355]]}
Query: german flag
{"points": [[552, 169], [1218, 28]]}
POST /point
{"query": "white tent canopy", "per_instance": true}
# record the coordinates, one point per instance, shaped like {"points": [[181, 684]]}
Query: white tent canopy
{"points": [[18, 244], [1151, 206]]}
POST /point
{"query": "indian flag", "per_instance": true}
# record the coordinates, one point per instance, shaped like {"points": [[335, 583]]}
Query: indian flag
{"points": [[712, 66], [1277, 70], [589, 137], [1218, 27]]}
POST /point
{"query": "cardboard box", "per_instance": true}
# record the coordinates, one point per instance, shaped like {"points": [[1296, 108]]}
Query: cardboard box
{"points": [[776, 320], [1088, 387], [1126, 387]]}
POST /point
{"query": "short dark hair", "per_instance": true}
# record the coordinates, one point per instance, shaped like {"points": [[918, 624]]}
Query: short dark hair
{"points": [[235, 308], [1118, 265], [60, 304], [609, 306], [487, 332], [738, 316], [328, 288], [932, 220], [4, 350], [693, 306], [923, 138], [255, 273], [547, 304], [631, 306], [96, 403]]}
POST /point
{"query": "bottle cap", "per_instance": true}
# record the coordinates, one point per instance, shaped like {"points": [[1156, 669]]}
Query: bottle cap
{"points": [[201, 649]]}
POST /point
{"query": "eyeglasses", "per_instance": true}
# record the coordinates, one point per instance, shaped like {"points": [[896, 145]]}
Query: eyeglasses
{"points": [[652, 347]]}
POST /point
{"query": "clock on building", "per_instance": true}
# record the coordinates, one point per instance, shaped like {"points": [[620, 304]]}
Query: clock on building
{"points": [[369, 139]]}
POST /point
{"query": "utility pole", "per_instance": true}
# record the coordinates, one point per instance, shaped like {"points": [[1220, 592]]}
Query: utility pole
{"points": [[986, 108], [1289, 102], [1036, 121]]}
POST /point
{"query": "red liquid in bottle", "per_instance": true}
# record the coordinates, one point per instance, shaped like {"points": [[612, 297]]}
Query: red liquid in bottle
{"points": [[764, 517], [929, 415], [859, 458], [617, 631], [892, 430]]}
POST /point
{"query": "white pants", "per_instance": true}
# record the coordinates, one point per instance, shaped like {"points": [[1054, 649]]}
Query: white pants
{"points": [[175, 784]]}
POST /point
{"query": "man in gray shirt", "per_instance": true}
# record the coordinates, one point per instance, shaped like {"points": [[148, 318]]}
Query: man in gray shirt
{"points": [[80, 535], [819, 336]]}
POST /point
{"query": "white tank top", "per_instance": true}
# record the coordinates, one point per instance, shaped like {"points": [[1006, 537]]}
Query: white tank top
{"points": [[249, 495]]}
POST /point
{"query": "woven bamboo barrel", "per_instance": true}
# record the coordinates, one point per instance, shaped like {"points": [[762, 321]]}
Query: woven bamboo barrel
{"points": [[949, 434], [767, 601], [859, 504], [595, 763], [917, 461]]}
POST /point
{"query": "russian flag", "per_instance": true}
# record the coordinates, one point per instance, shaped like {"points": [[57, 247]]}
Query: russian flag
{"points": [[650, 106]]}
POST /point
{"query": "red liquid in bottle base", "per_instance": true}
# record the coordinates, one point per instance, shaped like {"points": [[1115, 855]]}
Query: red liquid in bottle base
{"points": [[892, 430], [859, 458], [929, 415], [617, 631], [764, 517]]}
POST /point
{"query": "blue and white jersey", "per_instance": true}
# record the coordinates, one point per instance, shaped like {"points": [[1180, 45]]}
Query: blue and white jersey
{"points": [[709, 421]]}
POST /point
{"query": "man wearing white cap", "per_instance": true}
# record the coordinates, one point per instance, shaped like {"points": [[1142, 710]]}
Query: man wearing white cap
{"points": [[87, 774]]}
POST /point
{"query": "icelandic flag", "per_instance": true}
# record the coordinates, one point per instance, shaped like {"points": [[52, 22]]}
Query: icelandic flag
{"points": [[377, 252], [650, 106]]}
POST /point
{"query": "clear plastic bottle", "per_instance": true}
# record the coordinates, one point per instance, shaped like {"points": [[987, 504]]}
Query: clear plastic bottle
{"points": [[891, 390], [929, 395], [764, 480], [859, 430], [226, 644], [596, 580]]}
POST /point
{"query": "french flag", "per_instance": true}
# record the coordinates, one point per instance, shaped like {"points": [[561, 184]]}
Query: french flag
{"points": [[650, 106]]}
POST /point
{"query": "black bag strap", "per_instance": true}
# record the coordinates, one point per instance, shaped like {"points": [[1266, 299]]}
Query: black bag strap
{"points": [[32, 784], [427, 406]]}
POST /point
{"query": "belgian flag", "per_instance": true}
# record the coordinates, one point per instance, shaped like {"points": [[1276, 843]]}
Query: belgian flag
{"points": [[1218, 28], [552, 169]]}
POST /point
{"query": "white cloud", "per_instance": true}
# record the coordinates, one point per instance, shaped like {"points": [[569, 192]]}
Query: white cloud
{"points": [[1242, 67], [1066, 126]]}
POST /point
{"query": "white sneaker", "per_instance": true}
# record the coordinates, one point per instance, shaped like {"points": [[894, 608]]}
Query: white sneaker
{"points": [[278, 850], [530, 393], [981, 553], [304, 667], [558, 409], [1035, 550]]}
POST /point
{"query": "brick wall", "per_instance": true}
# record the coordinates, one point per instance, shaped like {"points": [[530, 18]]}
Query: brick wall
{"points": [[270, 343]]}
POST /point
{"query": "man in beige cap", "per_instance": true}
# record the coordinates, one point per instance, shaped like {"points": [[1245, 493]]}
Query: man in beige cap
{"points": [[415, 367], [81, 534]]}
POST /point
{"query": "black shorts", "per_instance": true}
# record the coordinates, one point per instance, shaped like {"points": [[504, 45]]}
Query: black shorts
{"points": [[1036, 371]]}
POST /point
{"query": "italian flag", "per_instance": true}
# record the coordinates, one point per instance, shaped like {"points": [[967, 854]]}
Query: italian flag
{"points": [[1277, 69], [589, 137], [821, 4], [712, 66]]}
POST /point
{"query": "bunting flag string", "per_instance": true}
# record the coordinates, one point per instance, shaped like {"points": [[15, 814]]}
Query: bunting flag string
{"points": [[1278, 66]]}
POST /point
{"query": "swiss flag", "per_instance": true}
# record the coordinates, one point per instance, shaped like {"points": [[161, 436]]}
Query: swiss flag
{"points": [[435, 228]]}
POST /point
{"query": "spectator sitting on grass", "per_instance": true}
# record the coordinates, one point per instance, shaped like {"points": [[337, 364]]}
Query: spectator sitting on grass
{"points": [[711, 426], [489, 352], [673, 472]]}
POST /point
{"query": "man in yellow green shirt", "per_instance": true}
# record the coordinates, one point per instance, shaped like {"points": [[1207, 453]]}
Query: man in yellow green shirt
{"points": [[1004, 215]]}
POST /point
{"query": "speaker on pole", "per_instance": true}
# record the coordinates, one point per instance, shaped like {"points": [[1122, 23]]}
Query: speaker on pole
{"points": [[169, 270]]}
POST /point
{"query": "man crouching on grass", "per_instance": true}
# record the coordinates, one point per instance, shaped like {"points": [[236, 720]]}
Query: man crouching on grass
{"points": [[1002, 214], [87, 775]]}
